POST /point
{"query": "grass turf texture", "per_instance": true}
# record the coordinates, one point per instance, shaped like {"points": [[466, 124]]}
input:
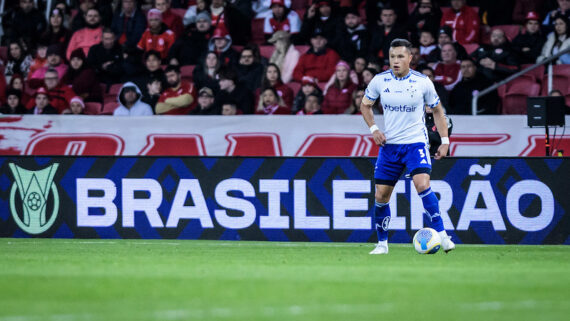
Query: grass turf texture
{"points": [[44, 279]]}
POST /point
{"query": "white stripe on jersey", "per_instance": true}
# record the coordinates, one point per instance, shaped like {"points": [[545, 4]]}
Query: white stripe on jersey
{"points": [[403, 100]]}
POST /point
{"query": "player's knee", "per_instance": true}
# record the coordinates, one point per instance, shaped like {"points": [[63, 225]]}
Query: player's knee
{"points": [[382, 196], [421, 186]]}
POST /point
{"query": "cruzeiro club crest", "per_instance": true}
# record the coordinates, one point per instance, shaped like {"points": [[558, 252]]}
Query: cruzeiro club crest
{"points": [[34, 189]]}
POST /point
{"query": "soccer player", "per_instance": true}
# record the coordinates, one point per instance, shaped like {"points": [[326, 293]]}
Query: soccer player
{"points": [[404, 94]]}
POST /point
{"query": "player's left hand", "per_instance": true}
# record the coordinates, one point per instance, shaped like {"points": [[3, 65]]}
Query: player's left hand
{"points": [[441, 151]]}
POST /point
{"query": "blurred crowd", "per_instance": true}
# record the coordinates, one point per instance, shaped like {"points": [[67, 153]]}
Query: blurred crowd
{"points": [[231, 57]]}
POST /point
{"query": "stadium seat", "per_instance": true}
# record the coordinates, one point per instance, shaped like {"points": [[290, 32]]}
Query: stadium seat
{"points": [[115, 88], [518, 85], [511, 31], [257, 35], [295, 86], [92, 108], [561, 70], [299, 4], [266, 51], [109, 108], [471, 47], [301, 13], [302, 48], [514, 102], [535, 74], [559, 82], [186, 71]]}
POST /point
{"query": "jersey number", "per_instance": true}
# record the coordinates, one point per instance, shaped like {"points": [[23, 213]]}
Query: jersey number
{"points": [[423, 157]]}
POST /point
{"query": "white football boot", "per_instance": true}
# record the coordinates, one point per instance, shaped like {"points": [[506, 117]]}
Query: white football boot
{"points": [[447, 244], [381, 248]]}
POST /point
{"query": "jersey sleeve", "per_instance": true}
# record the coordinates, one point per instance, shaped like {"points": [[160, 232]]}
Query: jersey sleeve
{"points": [[372, 92], [430, 95]]}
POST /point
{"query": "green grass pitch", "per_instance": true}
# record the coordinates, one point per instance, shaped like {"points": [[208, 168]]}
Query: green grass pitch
{"points": [[45, 279]]}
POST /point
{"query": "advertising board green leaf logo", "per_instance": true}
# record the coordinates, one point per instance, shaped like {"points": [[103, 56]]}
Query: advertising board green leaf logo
{"points": [[33, 189]]}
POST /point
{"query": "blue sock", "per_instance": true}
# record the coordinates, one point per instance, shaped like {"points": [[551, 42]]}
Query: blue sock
{"points": [[431, 205], [382, 220]]}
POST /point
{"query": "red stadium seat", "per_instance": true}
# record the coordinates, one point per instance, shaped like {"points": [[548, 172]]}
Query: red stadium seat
{"points": [[559, 82], [302, 49], [295, 86], [561, 70], [515, 101], [257, 35], [519, 85], [299, 4], [3, 54], [115, 88], [186, 71], [266, 51], [92, 108], [535, 74], [109, 108], [511, 31]]}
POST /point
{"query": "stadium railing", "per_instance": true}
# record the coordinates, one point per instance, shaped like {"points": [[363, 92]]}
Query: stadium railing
{"points": [[548, 61]]}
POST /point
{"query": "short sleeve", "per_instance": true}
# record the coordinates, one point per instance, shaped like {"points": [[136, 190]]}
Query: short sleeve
{"points": [[373, 90], [430, 95]]}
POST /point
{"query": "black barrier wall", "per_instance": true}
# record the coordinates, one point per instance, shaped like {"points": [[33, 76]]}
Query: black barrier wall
{"points": [[484, 200]]}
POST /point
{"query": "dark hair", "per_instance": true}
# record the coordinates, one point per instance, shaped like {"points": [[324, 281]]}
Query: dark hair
{"points": [[22, 50], [398, 42], [563, 18], [170, 68], [152, 53], [469, 59], [265, 82], [254, 51], [316, 94], [107, 30], [228, 73], [424, 67]]}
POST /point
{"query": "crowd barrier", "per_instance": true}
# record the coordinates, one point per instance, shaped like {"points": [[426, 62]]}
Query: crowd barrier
{"points": [[482, 200]]}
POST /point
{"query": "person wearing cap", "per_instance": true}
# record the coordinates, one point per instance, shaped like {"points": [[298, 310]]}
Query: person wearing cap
{"points": [[221, 43], [528, 45], [58, 93], [464, 21], [13, 105], [444, 36], [309, 85], [130, 104], [557, 41], [170, 19], [319, 61], [262, 8], [496, 60], [157, 36], [192, 45], [87, 37], [82, 78], [285, 55], [384, 32], [23, 22], [338, 96], [281, 18], [352, 39], [206, 104], [128, 24], [179, 98], [320, 15], [76, 106], [41, 104], [54, 60], [232, 90], [522, 8], [225, 14]]}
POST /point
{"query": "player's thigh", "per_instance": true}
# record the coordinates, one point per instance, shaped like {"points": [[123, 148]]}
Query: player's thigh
{"points": [[383, 193], [417, 159], [388, 166]]}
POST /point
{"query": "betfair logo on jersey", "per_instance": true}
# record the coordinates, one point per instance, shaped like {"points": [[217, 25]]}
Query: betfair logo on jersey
{"points": [[29, 197], [401, 108]]}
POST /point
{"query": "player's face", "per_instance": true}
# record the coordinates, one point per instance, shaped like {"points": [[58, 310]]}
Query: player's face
{"points": [[400, 59]]}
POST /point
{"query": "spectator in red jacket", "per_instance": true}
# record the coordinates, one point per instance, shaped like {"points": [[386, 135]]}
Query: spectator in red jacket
{"points": [[318, 62], [339, 95], [180, 96], [59, 94], [282, 18], [464, 21], [88, 36], [157, 36], [170, 19], [448, 72]]}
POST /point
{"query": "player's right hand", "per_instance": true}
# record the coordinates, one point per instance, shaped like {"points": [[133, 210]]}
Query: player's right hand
{"points": [[379, 138]]}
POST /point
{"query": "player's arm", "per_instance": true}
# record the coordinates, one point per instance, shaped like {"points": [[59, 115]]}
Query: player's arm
{"points": [[368, 115], [441, 124]]}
